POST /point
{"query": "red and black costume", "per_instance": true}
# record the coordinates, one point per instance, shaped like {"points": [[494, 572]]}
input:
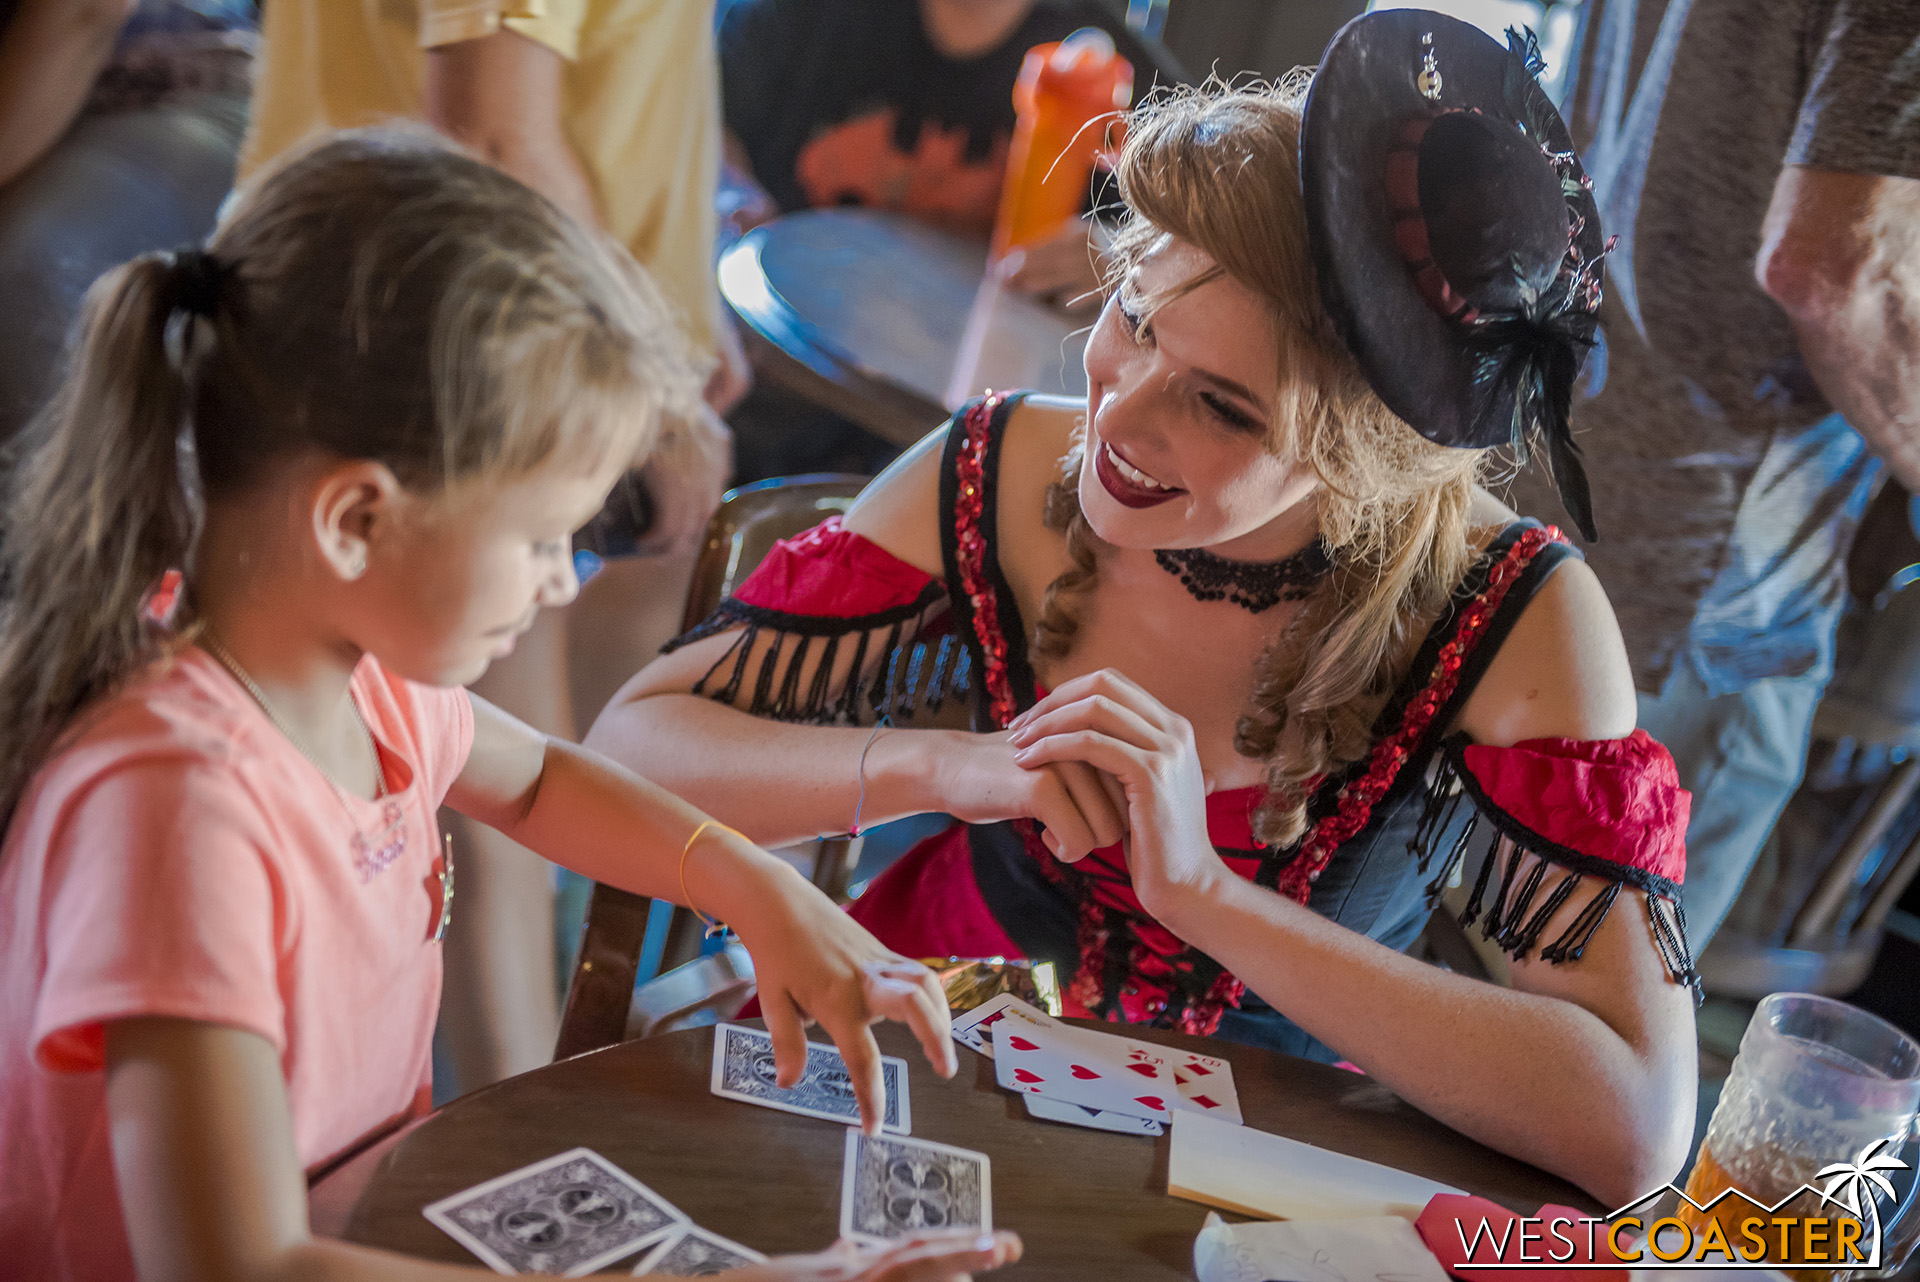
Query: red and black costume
{"points": [[1385, 836]]}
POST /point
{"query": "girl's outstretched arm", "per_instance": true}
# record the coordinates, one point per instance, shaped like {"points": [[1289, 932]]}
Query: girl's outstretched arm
{"points": [[813, 962], [211, 1188]]}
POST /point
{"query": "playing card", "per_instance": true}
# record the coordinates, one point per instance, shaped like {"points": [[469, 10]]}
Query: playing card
{"points": [[894, 1188], [570, 1215], [696, 1253], [743, 1070], [1204, 1084], [974, 1029], [1073, 1067], [1053, 1110]]}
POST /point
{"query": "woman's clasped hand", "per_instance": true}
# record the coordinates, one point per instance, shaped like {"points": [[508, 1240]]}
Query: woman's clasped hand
{"points": [[980, 778], [1142, 751]]}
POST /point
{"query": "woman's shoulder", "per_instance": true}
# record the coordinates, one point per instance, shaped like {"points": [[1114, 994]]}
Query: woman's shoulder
{"points": [[900, 510], [1561, 669]]}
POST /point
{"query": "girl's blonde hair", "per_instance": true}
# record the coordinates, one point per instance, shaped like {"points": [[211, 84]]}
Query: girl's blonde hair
{"points": [[1218, 168], [377, 296]]}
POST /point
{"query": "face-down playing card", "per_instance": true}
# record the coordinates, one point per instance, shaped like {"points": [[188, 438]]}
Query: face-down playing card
{"points": [[696, 1253], [1070, 1067], [570, 1215], [1053, 1110], [743, 1070], [893, 1188]]}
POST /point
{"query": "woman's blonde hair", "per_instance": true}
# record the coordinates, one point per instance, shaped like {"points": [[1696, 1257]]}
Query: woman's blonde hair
{"points": [[379, 295], [1218, 168]]}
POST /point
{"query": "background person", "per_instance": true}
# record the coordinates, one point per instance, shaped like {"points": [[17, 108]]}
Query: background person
{"points": [[1758, 162], [904, 105], [119, 123]]}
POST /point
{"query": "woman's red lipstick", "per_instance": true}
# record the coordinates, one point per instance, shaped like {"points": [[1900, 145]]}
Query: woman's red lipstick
{"points": [[1125, 492]]}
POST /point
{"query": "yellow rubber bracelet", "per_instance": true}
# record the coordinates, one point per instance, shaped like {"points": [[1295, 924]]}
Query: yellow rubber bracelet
{"points": [[713, 928]]}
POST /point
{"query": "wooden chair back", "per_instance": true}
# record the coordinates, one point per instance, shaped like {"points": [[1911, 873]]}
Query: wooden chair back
{"points": [[743, 530]]}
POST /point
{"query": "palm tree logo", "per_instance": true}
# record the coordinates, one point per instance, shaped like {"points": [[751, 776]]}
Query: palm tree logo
{"points": [[1863, 1180]]}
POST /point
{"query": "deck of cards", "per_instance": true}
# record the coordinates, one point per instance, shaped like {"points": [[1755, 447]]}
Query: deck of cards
{"points": [[743, 1070], [1098, 1080]]}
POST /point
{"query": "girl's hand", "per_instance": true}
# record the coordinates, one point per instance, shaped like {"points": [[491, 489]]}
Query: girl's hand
{"points": [[930, 1257], [978, 778], [1105, 721], [813, 963]]}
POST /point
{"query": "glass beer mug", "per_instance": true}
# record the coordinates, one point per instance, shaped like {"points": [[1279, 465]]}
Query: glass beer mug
{"points": [[1817, 1085]]}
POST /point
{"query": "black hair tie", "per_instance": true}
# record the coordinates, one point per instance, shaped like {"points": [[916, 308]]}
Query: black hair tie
{"points": [[196, 278]]}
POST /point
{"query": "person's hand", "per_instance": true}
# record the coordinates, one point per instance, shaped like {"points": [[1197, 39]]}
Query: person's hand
{"points": [[1064, 270], [1105, 721], [741, 201], [929, 1257], [732, 378], [981, 780], [685, 476], [814, 963]]}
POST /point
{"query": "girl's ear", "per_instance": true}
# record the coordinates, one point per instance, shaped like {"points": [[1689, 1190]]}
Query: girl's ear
{"points": [[354, 504]]}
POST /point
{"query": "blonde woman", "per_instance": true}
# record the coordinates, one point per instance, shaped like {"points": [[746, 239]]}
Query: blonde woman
{"points": [[1252, 660]]}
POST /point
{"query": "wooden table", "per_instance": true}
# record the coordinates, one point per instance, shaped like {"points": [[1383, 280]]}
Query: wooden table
{"points": [[1089, 1204], [866, 313]]}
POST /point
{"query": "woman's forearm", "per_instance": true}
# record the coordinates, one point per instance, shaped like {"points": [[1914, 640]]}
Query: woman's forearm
{"points": [[1538, 1077], [778, 783]]}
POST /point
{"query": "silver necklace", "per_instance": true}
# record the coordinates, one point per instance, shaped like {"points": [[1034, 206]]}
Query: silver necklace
{"points": [[370, 855]]}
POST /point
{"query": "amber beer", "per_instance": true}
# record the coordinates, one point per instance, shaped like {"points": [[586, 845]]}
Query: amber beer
{"points": [[1816, 1083], [1768, 1179]]}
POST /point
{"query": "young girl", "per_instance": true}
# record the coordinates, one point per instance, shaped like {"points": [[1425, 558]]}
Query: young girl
{"points": [[363, 426]]}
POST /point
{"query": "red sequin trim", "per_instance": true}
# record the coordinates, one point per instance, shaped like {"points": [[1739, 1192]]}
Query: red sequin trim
{"points": [[1357, 799], [970, 473]]}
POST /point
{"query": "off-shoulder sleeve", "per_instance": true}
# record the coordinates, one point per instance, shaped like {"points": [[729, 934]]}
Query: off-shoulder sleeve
{"points": [[1595, 815], [833, 630]]}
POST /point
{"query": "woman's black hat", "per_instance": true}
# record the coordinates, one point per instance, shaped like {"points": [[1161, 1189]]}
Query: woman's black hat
{"points": [[1455, 233]]}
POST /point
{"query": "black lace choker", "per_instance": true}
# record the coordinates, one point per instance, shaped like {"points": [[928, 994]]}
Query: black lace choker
{"points": [[1252, 585]]}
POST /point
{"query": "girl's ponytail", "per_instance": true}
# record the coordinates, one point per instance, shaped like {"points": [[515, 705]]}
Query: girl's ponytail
{"points": [[376, 296], [97, 512]]}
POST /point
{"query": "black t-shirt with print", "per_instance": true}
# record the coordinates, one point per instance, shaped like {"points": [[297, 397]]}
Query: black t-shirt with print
{"points": [[848, 102]]}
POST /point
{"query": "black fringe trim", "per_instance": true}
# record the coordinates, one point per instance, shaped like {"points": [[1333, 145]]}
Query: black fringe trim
{"points": [[894, 691], [1510, 917], [733, 611]]}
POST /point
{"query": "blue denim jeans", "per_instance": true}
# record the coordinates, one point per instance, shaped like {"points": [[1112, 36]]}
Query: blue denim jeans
{"points": [[1741, 755]]}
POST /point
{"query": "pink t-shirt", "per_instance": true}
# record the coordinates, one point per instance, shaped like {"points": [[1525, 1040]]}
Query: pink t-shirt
{"points": [[182, 858]]}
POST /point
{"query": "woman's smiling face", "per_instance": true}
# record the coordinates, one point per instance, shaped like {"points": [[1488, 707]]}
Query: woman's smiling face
{"points": [[1179, 407]]}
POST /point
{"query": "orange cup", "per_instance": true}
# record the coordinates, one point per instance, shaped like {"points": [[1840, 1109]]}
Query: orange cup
{"points": [[1063, 85]]}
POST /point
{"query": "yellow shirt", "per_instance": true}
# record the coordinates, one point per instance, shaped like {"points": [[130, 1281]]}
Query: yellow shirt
{"points": [[642, 104]]}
